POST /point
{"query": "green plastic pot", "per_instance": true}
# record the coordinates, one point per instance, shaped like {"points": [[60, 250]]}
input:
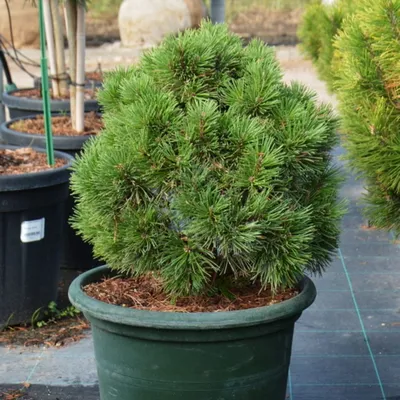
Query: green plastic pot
{"points": [[147, 355]]}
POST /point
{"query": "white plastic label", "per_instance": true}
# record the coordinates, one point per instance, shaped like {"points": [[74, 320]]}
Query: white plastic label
{"points": [[32, 231]]}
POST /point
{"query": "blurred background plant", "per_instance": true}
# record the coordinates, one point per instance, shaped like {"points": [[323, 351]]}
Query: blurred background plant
{"points": [[233, 7], [318, 28], [105, 8], [368, 88]]}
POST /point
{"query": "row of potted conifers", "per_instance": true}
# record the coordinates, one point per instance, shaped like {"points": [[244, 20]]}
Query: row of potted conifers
{"points": [[36, 238], [211, 172]]}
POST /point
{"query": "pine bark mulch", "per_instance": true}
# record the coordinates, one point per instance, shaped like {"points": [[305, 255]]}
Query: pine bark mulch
{"points": [[25, 160], [61, 125], [36, 93], [146, 293]]}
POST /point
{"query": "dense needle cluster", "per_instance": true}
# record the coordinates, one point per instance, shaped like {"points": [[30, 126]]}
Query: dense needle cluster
{"points": [[210, 170], [368, 87]]}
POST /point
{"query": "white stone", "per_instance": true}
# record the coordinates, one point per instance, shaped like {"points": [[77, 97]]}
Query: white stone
{"points": [[144, 24], [25, 23]]}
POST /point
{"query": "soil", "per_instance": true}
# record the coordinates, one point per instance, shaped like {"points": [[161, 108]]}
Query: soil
{"points": [[102, 30], [25, 160], [36, 93], [61, 125], [146, 293], [369, 228], [275, 27], [55, 334], [94, 76]]}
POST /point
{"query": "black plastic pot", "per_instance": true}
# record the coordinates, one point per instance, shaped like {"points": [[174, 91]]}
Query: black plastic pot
{"points": [[147, 355], [77, 254], [69, 144], [32, 211], [25, 106]]}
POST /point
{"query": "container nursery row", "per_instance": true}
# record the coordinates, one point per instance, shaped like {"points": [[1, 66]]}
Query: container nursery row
{"points": [[36, 202], [211, 195]]}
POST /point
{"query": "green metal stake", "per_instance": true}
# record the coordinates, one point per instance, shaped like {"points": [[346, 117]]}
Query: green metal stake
{"points": [[45, 88]]}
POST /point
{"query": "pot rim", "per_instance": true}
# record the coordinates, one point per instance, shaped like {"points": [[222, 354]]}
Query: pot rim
{"points": [[185, 321], [62, 143], [35, 180], [10, 95], [6, 126]]}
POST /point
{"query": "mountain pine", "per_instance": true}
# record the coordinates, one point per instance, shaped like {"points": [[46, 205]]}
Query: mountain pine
{"points": [[317, 31], [368, 87], [210, 168]]}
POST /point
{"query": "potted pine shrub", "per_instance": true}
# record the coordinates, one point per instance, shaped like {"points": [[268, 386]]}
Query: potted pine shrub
{"points": [[368, 94], [210, 194]]}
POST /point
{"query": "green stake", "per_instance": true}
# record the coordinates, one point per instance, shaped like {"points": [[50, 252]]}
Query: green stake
{"points": [[45, 89]]}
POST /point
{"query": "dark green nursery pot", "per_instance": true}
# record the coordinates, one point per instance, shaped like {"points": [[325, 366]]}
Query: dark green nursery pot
{"points": [[147, 355]]}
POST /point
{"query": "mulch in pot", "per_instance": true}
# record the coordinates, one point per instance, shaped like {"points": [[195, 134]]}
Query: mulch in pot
{"points": [[25, 160], [36, 93], [94, 76], [61, 125], [146, 293]]}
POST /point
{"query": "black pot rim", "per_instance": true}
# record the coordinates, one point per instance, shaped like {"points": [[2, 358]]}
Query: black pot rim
{"points": [[27, 103], [17, 138], [185, 321], [10, 95], [39, 179]]}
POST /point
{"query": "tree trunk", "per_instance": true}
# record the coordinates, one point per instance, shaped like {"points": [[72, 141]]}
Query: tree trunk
{"points": [[70, 9], [80, 68], [50, 46], [59, 48]]}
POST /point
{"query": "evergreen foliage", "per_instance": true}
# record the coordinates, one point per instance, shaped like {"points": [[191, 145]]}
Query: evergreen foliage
{"points": [[319, 26], [210, 168], [368, 87]]}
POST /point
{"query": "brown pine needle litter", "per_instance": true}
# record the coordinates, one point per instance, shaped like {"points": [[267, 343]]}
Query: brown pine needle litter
{"points": [[56, 334], [146, 293], [14, 394]]}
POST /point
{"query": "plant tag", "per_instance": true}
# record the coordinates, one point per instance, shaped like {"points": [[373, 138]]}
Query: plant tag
{"points": [[32, 231]]}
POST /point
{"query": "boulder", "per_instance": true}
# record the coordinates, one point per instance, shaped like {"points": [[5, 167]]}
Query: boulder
{"points": [[144, 24], [25, 23]]}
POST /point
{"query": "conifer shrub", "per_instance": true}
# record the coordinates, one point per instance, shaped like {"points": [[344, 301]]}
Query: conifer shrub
{"points": [[210, 170], [368, 88], [320, 24]]}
